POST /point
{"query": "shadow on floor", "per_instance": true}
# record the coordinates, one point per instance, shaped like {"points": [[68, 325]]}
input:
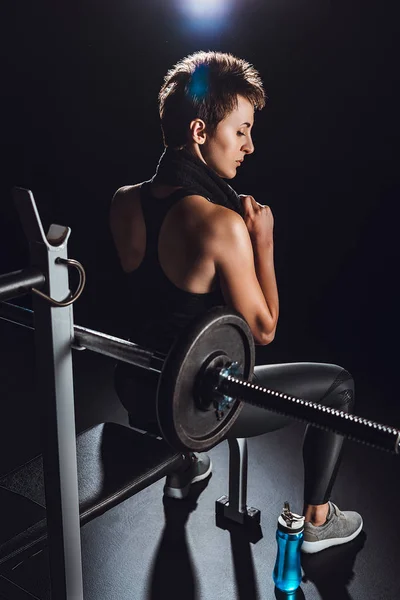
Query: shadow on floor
{"points": [[241, 536], [332, 570], [173, 574]]}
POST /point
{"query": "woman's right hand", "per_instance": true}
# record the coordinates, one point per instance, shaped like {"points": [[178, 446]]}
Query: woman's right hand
{"points": [[259, 220]]}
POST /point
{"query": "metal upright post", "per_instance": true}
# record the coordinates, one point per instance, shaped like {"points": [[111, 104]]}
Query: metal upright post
{"points": [[53, 337], [237, 479]]}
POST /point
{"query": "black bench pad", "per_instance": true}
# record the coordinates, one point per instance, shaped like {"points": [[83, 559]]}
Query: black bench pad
{"points": [[114, 463]]}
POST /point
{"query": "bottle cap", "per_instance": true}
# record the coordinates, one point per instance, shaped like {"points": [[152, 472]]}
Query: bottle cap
{"points": [[289, 522]]}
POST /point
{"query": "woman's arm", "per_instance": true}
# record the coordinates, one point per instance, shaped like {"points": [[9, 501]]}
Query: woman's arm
{"points": [[259, 221], [265, 271], [226, 239]]}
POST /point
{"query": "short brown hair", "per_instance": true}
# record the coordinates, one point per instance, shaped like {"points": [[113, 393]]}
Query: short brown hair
{"points": [[205, 85]]}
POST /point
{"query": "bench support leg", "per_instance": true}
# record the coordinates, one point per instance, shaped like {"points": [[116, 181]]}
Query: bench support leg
{"points": [[234, 506]]}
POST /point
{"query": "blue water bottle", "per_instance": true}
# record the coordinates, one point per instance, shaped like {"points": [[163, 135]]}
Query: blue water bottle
{"points": [[289, 537]]}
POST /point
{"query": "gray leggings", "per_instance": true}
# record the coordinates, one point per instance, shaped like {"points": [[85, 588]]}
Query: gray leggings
{"points": [[323, 383]]}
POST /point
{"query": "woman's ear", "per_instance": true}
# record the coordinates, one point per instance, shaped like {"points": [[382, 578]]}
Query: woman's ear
{"points": [[198, 131]]}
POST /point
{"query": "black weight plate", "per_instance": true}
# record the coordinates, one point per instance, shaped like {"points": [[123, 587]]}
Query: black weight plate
{"points": [[184, 425]]}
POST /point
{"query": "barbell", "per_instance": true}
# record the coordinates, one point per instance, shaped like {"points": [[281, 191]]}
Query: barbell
{"points": [[206, 377]]}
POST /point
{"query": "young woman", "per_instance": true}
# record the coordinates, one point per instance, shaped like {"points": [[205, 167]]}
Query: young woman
{"points": [[187, 242]]}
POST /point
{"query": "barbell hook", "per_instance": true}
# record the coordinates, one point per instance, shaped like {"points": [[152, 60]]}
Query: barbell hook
{"points": [[82, 281]]}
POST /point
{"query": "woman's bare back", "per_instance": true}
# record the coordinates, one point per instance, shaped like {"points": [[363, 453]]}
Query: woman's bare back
{"points": [[179, 247]]}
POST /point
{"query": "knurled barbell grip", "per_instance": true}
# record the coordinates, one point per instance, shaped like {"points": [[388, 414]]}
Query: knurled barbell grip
{"points": [[354, 427]]}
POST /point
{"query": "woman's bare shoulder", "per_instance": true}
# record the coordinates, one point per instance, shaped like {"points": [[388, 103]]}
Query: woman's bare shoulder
{"points": [[207, 211], [125, 194], [125, 204], [214, 219]]}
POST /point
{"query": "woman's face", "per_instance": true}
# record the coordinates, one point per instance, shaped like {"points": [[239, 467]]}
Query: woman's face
{"points": [[225, 150]]}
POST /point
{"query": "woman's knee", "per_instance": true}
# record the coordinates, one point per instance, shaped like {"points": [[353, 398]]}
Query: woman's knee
{"points": [[340, 394]]}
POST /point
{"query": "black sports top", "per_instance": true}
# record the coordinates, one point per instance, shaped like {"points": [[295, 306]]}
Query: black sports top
{"points": [[158, 309]]}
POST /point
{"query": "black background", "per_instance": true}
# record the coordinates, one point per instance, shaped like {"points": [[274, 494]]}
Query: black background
{"points": [[79, 91]]}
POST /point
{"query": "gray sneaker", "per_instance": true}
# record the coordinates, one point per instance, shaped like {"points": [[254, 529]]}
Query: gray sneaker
{"points": [[339, 528], [178, 484]]}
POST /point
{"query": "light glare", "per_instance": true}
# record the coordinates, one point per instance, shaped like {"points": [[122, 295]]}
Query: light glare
{"points": [[205, 8], [205, 14]]}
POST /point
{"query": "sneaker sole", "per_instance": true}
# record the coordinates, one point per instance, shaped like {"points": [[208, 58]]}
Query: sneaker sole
{"points": [[181, 493], [312, 547]]}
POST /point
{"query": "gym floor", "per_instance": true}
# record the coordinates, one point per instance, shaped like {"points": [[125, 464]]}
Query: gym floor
{"points": [[150, 549]]}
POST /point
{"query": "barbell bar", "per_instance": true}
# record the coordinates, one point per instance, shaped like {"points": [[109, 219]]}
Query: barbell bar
{"points": [[19, 283], [89, 339], [206, 377]]}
